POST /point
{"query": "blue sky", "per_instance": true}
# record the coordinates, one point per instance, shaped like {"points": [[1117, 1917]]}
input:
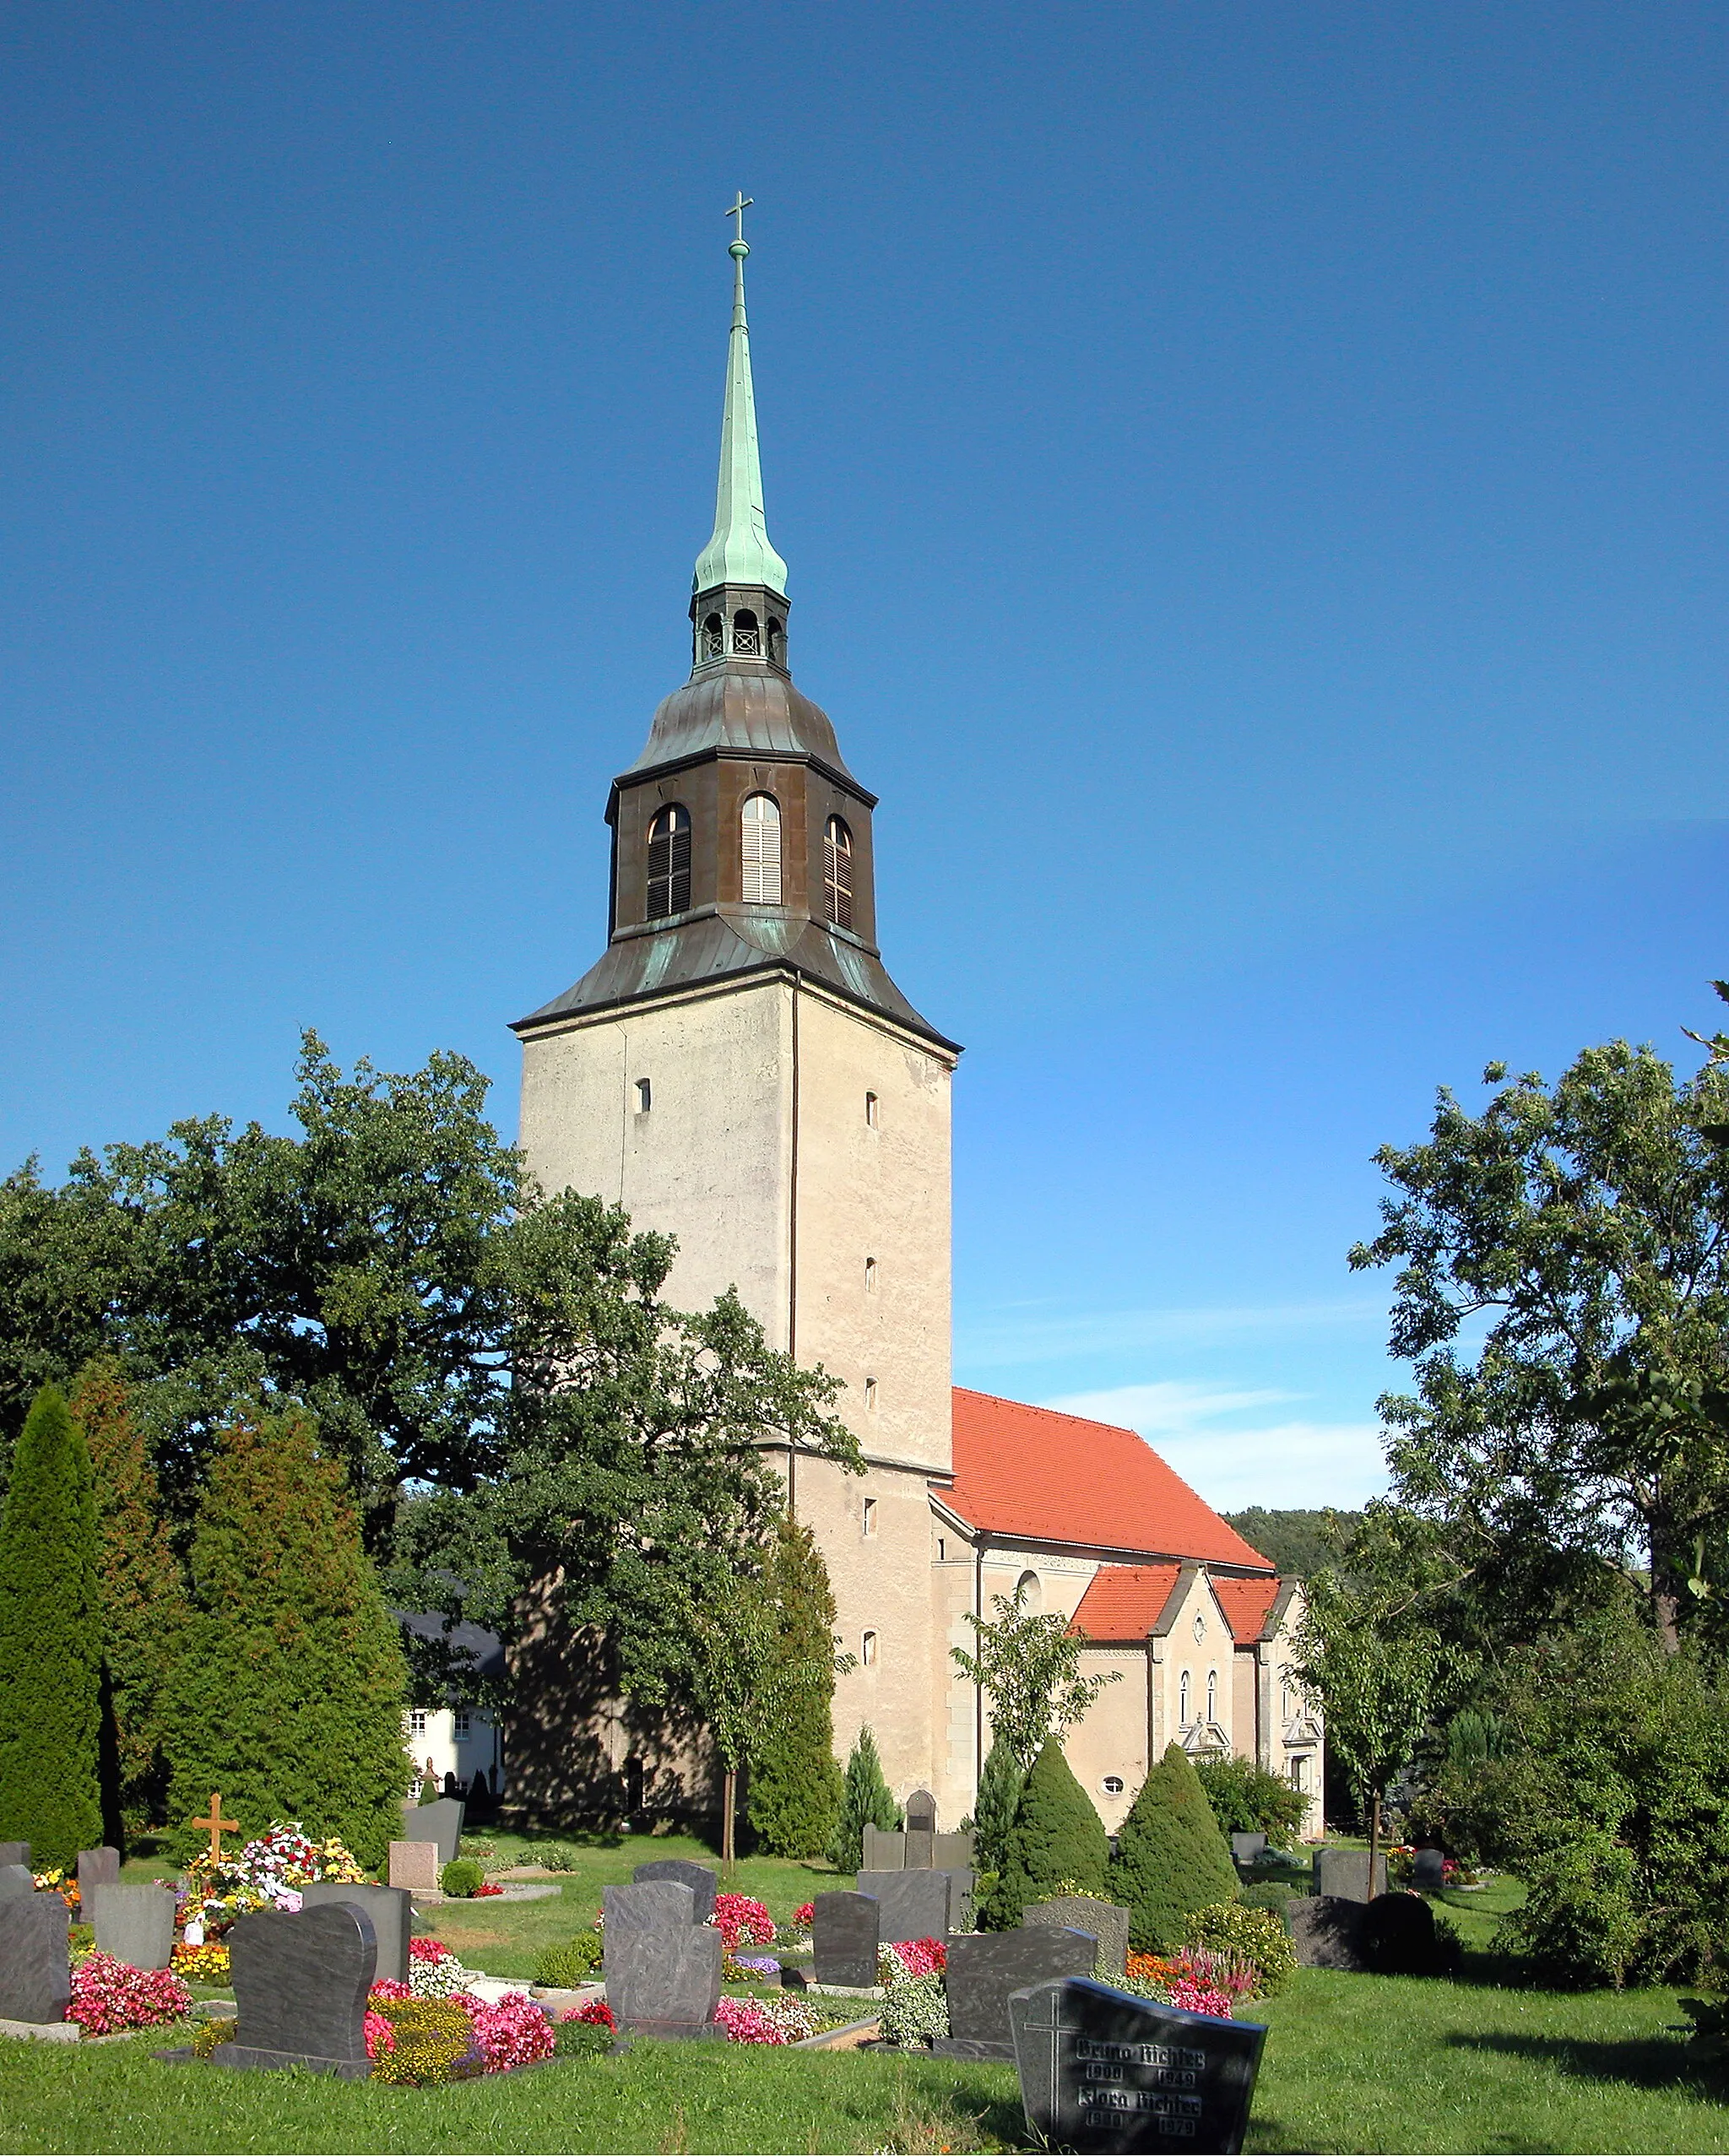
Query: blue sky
{"points": [[1253, 481]]}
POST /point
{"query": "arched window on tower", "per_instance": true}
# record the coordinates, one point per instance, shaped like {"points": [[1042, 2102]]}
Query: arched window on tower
{"points": [[668, 864], [776, 641], [761, 850], [1029, 1592], [747, 637], [714, 645], [837, 873]]}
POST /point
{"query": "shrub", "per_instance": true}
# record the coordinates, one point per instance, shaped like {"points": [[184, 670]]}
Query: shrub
{"points": [[570, 1963], [1249, 1800], [1254, 1935], [1058, 1840], [110, 1995], [915, 2012], [461, 1877], [993, 1814], [866, 1802], [1171, 1858], [51, 1644], [559, 1857], [1579, 1922], [794, 1800]]}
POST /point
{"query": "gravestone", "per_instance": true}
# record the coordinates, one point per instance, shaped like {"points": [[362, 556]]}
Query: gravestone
{"points": [[1245, 1848], [1343, 1874], [1107, 1923], [844, 1938], [390, 1910], [441, 1823], [300, 1979], [952, 1852], [16, 1879], [15, 1853], [919, 1852], [1326, 1931], [35, 1970], [98, 1867], [884, 1851], [961, 1911], [1399, 1936], [985, 1968], [1429, 1871], [915, 1904], [661, 1979], [656, 1905], [921, 1812], [701, 1881], [415, 1865], [1102, 2070], [134, 1924]]}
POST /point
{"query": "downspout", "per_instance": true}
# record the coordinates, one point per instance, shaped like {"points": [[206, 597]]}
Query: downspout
{"points": [[978, 1688], [792, 1254]]}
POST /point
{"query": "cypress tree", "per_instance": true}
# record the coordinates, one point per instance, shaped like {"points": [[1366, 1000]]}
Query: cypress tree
{"points": [[795, 1785], [51, 1645], [1171, 1857], [143, 1599], [289, 1696], [993, 1815], [1057, 1836], [866, 1802]]}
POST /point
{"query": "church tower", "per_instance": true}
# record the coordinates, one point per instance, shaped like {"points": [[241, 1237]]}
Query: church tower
{"points": [[739, 1070]]}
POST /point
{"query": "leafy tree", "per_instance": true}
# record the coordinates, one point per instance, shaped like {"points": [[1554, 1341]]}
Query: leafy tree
{"points": [[1058, 1839], [866, 1802], [1172, 1859], [994, 1812], [1297, 1542], [289, 1698], [1029, 1669], [141, 1589], [795, 1782], [51, 1647], [1578, 1235], [1249, 1800]]}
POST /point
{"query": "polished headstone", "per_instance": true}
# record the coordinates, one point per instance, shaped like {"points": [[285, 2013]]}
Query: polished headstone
{"points": [[884, 1851], [1102, 2070], [1343, 1874], [844, 1937], [1429, 1871], [16, 1879], [300, 1979], [390, 1910], [441, 1823], [1326, 1931], [1107, 1922], [664, 1980], [134, 1924], [35, 1971], [702, 1881], [416, 1865], [921, 1812], [1245, 1848], [986, 1967], [656, 1905], [98, 1867], [915, 1904], [15, 1853]]}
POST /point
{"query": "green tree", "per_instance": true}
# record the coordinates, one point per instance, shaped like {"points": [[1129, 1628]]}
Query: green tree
{"points": [[1172, 1859], [289, 1696], [993, 1811], [1249, 1800], [1058, 1838], [1299, 1542], [795, 1782], [1029, 1669], [51, 1644], [143, 1597], [866, 1802]]}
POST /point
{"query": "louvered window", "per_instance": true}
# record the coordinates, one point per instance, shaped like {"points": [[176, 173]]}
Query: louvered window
{"points": [[761, 836], [668, 864], [837, 873]]}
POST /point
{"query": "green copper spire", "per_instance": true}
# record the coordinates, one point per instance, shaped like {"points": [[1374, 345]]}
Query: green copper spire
{"points": [[740, 552]]}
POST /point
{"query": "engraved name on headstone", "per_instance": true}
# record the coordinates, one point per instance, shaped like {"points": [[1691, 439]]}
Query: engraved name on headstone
{"points": [[134, 1924], [915, 1904], [301, 1980], [1107, 1922], [1102, 2070], [390, 1910], [702, 1881], [987, 1968], [844, 1938], [35, 1976]]}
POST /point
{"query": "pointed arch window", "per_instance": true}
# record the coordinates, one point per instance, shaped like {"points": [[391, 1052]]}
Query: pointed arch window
{"points": [[668, 864], [1213, 1695], [1183, 1716], [761, 850], [837, 873]]}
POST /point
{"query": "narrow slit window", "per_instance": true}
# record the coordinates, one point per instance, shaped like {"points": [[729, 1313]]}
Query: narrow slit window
{"points": [[761, 884], [668, 864], [871, 1276], [1182, 1692], [868, 1651], [1213, 1695], [870, 1395], [869, 1515], [645, 1096], [942, 1550], [837, 873], [870, 1109]]}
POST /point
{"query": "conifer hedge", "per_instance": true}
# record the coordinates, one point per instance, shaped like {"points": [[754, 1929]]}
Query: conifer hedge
{"points": [[993, 1809], [1171, 1857], [794, 1801], [289, 1698], [51, 1646], [866, 1800], [1058, 1838]]}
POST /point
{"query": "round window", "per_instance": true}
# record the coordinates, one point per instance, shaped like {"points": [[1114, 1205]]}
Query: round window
{"points": [[1112, 1785]]}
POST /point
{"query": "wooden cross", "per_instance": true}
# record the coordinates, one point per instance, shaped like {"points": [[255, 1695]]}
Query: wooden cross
{"points": [[742, 203], [217, 1825]]}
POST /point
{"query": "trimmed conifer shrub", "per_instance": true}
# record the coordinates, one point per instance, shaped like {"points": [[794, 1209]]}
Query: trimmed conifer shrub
{"points": [[866, 1802], [1171, 1857], [1058, 1838], [289, 1696], [794, 1801], [993, 1809], [51, 1647]]}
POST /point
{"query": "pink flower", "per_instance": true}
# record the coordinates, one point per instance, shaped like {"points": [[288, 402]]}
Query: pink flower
{"points": [[110, 1995], [1199, 1999], [596, 2012], [736, 1917], [745, 2023], [388, 1987], [804, 1916], [921, 1956], [427, 1950], [513, 2032], [381, 2037]]}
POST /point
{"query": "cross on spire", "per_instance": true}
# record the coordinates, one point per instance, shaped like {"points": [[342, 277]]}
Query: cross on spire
{"points": [[217, 1825], [741, 202]]}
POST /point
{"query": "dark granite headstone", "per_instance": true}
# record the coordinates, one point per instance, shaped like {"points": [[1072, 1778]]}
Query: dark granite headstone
{"points": [[98, 1867], [1343, 1874], [656, 1905], [883, 1851], [301, 1980], [36, 1968], [15, 1853], [1326, 1931], [1429, 1871], [134, 1924], [702, 1881], [1399, 1936], [663, 1980], [919, 1853], [1245, 1848], [441, 1823], [915, 1904], [1107, 1921], [985, 1968], [844, 1939], [1102, 2070], [16, 1881], [390, 1910], [921, 1812]]}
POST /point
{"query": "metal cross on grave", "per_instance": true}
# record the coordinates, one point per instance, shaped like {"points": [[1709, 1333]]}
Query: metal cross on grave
{"points": [[217, 1825]]}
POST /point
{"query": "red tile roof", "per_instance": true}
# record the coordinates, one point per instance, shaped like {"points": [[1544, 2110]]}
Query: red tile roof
{"points": [[1125, 1602], [1245, 1603], [1058, 1478]]}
